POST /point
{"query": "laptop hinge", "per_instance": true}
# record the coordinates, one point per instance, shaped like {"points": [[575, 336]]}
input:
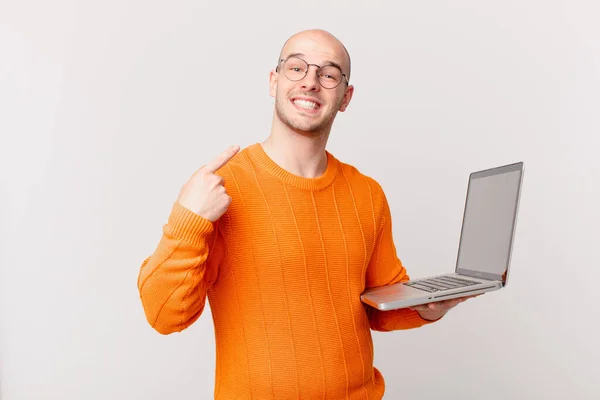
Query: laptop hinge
{"points": [[479, 275]]}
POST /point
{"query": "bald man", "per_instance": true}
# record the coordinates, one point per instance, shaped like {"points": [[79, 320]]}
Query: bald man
{"points": [[282, 238]]}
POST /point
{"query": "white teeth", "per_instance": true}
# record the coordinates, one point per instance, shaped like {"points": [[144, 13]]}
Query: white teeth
{"points": [[306, 104]]}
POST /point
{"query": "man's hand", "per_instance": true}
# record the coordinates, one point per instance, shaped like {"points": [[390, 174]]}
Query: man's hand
{"points": [[437, 310], [204, 194]]}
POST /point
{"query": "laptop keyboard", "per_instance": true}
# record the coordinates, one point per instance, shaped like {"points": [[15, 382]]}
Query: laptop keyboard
{"points": [[441, 283]]}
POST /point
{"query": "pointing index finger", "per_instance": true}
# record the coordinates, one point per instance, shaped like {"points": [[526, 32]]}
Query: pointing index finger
{"points": [[223, 158]]}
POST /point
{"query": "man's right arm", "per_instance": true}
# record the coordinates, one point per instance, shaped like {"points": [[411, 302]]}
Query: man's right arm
{"points": [[174, 280]]}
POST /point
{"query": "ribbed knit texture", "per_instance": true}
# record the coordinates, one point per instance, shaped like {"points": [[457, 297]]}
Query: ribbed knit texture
{"points": [[283, 271]]}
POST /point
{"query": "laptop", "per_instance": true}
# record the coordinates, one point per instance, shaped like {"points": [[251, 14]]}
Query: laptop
{"points": [[485, 246]]}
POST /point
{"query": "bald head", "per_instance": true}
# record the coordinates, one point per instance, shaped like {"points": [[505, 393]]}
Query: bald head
{"points": [[321, 40]]}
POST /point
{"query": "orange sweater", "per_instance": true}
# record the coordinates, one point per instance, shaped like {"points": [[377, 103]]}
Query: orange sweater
{"points": [[283, 270]]}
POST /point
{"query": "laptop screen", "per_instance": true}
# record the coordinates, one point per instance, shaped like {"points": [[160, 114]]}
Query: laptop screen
{"points": [[489, 222]]}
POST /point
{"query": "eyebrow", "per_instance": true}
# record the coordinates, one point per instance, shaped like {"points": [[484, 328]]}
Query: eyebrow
{"points": [[326, 62]]}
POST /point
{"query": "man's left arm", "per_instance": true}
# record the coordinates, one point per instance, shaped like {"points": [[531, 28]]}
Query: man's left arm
{"points": [[385, 268]]}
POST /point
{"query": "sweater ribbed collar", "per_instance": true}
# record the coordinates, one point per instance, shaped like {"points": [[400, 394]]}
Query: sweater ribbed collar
{"points": [[259, 157]]}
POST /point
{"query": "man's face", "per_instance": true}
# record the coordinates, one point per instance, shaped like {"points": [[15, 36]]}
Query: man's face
{"points": [[305, 105]]}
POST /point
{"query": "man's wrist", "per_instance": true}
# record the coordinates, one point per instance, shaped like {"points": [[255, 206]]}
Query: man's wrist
{"points": [[431, 316]]}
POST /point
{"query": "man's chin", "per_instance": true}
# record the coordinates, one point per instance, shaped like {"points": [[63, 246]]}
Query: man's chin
{"points": [[303, 127], [308, 130]]}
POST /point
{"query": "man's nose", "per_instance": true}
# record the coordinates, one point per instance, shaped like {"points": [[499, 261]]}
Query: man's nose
{"points": [[311, 80]]}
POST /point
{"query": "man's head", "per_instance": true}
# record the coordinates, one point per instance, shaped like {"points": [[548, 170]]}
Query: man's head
{"points": [[310, 83]]}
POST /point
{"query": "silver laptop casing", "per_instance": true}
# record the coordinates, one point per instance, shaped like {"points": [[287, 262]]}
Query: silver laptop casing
{"points": [[398, 295]]}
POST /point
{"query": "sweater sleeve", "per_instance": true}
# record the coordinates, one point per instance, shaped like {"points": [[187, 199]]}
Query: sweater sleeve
{"points": [[386, 268], [174, 280]]}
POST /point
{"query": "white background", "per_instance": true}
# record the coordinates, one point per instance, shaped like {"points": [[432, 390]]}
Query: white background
{"points": [[107, 108]]}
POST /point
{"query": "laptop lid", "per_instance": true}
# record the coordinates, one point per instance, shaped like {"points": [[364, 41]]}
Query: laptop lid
{"points": [[489, 222]]}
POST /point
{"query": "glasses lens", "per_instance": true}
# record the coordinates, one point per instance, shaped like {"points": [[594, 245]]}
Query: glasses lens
{"points": [[330, 76], [294, 69]]}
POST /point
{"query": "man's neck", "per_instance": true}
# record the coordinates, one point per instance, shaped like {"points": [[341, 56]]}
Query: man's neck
{"points": [[299, 154]]}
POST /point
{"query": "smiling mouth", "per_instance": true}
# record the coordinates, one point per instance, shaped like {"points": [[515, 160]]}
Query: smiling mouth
{"points": [[306, 104]]}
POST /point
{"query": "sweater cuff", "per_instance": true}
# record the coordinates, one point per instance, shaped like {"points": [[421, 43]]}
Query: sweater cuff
{"points": [[188, 226]]}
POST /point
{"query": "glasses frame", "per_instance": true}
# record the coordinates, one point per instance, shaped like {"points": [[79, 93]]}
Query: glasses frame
{"points": [[283, 60]]}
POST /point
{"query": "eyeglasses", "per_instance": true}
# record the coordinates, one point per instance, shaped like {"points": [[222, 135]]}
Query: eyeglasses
{"points": [[295, 69]]}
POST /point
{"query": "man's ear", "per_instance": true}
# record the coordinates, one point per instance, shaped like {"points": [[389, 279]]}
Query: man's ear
{"points": [[273, 83], [347, 97]]}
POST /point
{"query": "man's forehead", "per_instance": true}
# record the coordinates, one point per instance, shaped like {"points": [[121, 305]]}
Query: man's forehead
{"points": [[317, 49], [315, 57]]}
